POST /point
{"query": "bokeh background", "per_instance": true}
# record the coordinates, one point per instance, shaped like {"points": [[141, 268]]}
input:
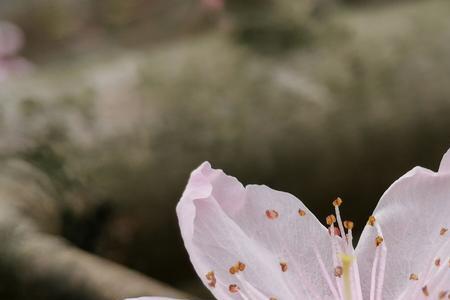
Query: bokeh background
{"points": [[106, 106]]}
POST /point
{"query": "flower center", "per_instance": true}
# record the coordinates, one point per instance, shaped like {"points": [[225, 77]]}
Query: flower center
{"points": [[346, 284]]}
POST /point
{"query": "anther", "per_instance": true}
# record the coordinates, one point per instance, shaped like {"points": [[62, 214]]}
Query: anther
{"points": [[338, 271], [437, 262], [241, 266], [233, 288], [337, 202], [331, 219], [413, 276], [378, 240], [284, 266], [425, 290], [272, 214], [301, 212], [348, 225], [211, 277], [233, 270], [443, 231], [442, 294], [371, 221]]}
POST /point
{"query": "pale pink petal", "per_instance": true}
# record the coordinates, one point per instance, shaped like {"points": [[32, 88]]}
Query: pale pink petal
{"points": [[445, 163], [413, 214], [223, 223]]}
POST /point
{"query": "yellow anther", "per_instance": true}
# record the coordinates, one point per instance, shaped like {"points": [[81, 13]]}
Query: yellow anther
{"points": [[337, 202], [378, 240], [371, 221], [348, 225], [331, 219], [211, 278], [241, 266], [238, 267], [413, 276], [233, 270]]}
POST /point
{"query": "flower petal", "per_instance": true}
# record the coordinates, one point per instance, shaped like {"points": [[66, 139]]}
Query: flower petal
{"points": [[265, 237], [413, 213], [445, 163]]}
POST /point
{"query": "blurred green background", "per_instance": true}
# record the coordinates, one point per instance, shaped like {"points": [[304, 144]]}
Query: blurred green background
{"points": [[318, 98]]}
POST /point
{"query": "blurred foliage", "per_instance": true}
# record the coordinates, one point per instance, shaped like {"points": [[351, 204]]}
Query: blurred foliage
{"points": [[71, 25], [276, 26]]}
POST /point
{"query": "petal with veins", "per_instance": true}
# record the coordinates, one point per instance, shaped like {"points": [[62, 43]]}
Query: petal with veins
{"points": [[445, 163], [413, 214], [224, 224]]}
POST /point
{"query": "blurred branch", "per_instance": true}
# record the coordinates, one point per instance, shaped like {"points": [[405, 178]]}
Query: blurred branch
{"points": [[41, 260]]}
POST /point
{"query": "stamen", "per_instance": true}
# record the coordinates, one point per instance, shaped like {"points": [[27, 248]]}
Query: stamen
{"points": [[379, 263], [425, 290], [336, 204], [338, 271], [331, 219], [325, 275], [371, 221], [284, 266], [249, 292], [211, 278], [413, 276], [379, 240], [335, 250], [382, 267], [435, 277], [272, 214], [374, 273], [348, 225], [441, 287], [233, 288], [442, 294], [355, 264], [437, 262], [381, 271]]}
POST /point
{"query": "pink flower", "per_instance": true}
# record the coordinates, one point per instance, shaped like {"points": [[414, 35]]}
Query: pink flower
{"points": [[255, 243]]}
